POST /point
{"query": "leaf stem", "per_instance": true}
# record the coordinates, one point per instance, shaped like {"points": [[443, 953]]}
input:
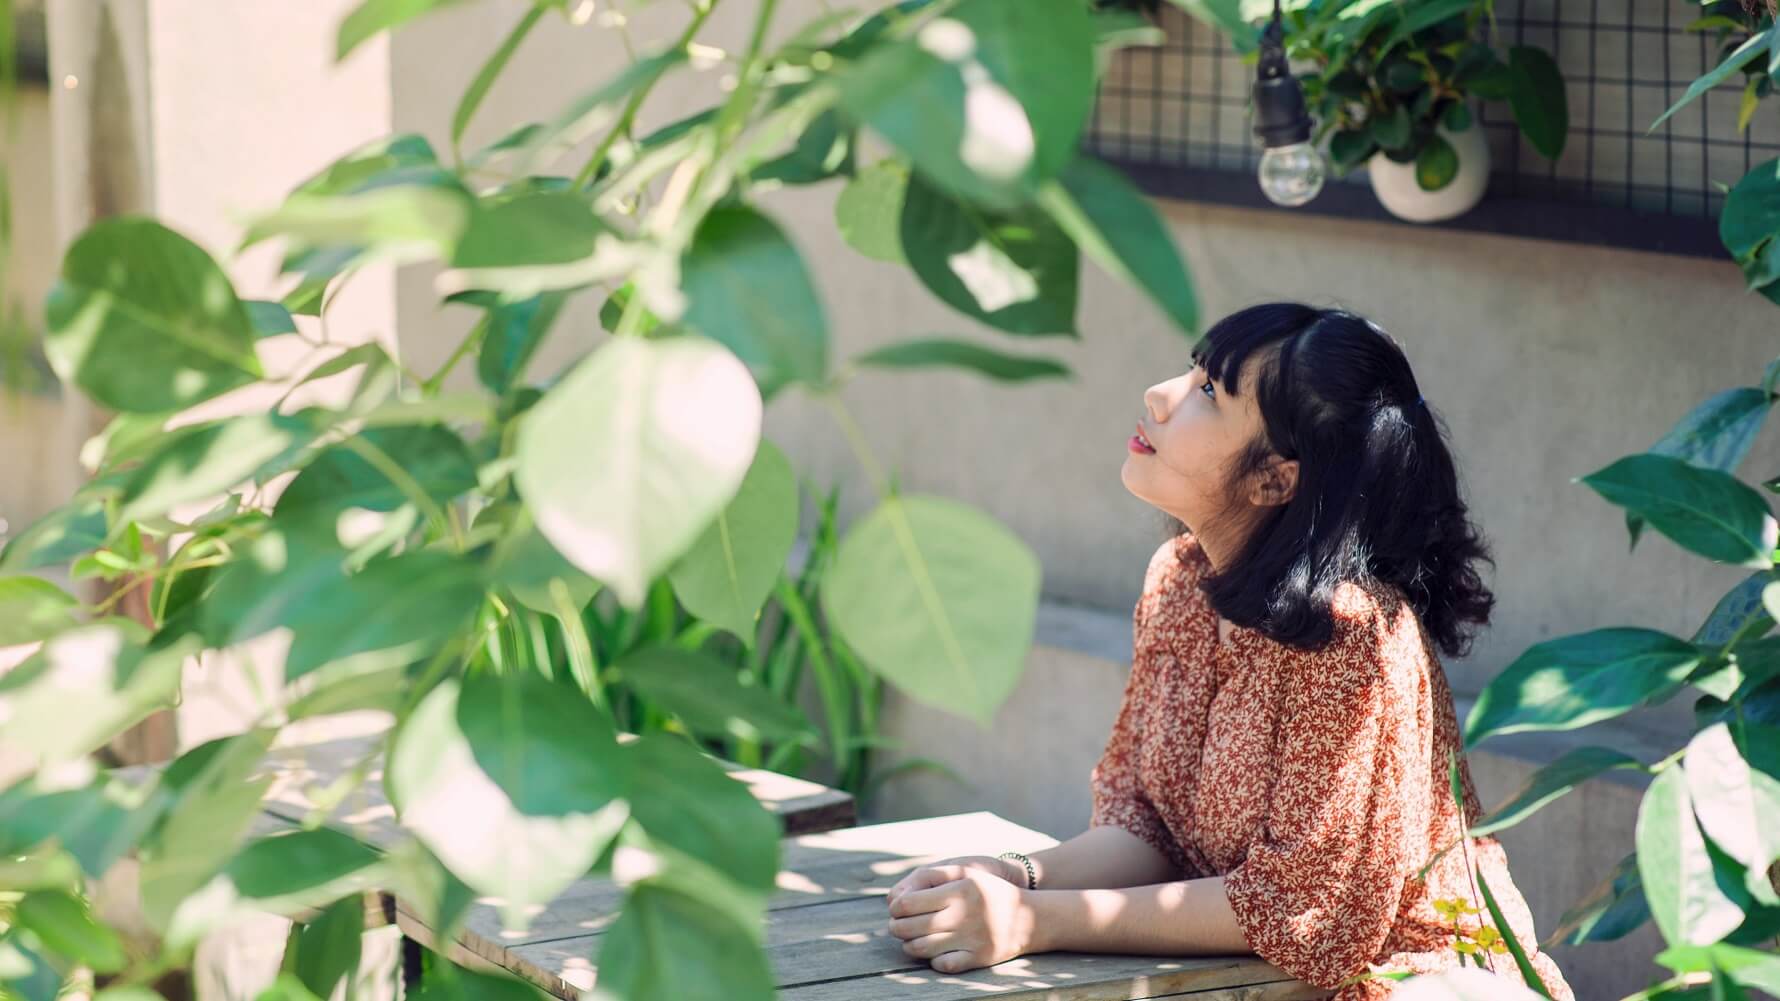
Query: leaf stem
{"points": [[701, 13], [856, 439], [392, 470]]}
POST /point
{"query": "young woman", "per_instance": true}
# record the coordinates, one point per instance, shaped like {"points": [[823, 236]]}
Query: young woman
{"points": [[1277, 775]]}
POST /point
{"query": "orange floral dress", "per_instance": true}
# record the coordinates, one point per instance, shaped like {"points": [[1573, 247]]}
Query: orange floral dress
{"points": [[1314, 782]]}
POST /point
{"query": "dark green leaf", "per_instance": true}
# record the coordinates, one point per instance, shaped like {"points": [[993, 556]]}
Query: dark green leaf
{"points": [[1751, 216], [1551, 782], [1736, 609], [869, 211], [1349, 148], [1118, 227], [708, 697], [58, 537], [1390, 130], [696, 807], [666, 944], [532, 566], [988, 100], [963, 354], [1528, 975], [540, 774], [1749, 50], [1436, 165], [1755, 968], [1718, 433], [1703, 510], [937, 598], [24, 972], [208, 459], [329, 948], [1015, 271], [428, 458], [1457, 117], [143, 320], [97, 823], [726, 576], [1537, 95], [1738, 806], [464, 984], [32, 609], [511, 337], [823, 150], [746, 288], [615, 476], [1615, 909], [269, 319], [1571, 682], [1679, 881]]}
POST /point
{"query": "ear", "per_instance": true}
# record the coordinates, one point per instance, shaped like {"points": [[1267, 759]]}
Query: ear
{"points": [[1275, 484]]}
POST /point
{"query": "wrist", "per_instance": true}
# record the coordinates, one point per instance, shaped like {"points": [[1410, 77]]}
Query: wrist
{"points": [[1034, 903]]}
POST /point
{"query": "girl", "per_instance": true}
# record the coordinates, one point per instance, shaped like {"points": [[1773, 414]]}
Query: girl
{"points": [[1277, 774]]}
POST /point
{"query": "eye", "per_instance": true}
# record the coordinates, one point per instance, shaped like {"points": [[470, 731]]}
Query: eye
{"points": [[1210, 390]]}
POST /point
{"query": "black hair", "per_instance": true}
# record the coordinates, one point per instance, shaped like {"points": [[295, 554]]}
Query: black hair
{"points": [[1377, 502]]}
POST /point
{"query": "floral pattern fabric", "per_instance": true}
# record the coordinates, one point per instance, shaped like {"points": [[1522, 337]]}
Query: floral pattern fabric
{"points": [[1315, 782]]}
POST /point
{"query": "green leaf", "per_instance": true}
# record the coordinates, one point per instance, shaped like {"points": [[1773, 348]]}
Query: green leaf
{"points": [[1740, 57], [72, 530], [747, 289], [531, 146], [1421, 17], [1736, 609], [1751, 215], [1576, 680], [97, 823], [667, 944], [697, 808], [1717, 434], [286, 874], [620, 471], [937, 352], [1703, 510], [33, 609], [1391, 131], [328, 949], [1118, 227], [1737, 805], [937, 598], [987, 99], [512, 333], [485, 78], [1613, 910], [1679, 881], [517, 789], [67, 928], [1436, 165], [395, 610], [428, 458], [143, 320], [1349, 148], [208, 459], [84, 687], [269, 319], [1015, 270], [869, 211], [1457, 117], [464, 984], [726, 576], [532, 564], [1551, 782], [213, 799], [402, 215], [1528, 975], [824, 149], [373, 17], [537, 241], [1751, 100], [24, 973], [709, 698], [1750, 967], [1537, 96]]}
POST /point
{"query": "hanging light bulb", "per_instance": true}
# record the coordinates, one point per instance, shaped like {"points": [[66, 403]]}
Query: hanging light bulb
{"points": [[1292, 169]]}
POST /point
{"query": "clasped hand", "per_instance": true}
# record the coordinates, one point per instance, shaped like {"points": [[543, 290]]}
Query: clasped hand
{"points": [[962, 914]]}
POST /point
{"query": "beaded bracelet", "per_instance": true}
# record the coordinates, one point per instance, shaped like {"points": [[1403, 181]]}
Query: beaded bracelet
{"points": [[1031, 872]]}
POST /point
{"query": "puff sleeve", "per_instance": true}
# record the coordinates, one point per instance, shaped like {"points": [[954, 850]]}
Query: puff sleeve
{"points": [[1320, 887]]}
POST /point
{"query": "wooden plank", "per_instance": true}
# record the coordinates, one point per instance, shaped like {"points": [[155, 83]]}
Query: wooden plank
{"points": [[1067, 976]]}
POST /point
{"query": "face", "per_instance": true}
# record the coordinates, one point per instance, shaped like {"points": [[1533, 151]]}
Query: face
{"points": [[1189, 436]]}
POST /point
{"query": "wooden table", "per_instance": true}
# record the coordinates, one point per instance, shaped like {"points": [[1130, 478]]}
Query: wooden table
{"points": [[827, 933]]}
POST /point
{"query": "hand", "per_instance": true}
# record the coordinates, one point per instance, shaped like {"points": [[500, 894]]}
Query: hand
{"points": [[1007, 869], [961, 917]]}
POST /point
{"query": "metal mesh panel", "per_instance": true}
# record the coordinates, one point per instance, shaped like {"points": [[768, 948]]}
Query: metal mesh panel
{"points": [[1625, 61]]}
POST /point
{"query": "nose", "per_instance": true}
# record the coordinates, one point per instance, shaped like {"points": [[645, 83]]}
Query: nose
{"points": [[1158, 402]]}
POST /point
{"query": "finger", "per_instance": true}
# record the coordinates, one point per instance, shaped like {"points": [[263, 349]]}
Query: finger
{"points": [[922, 901], [929, 946], [923, 877], [956, 961], [923, 924]]}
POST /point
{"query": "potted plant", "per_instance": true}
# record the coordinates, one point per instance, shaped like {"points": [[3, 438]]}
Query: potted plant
{"points": [[1393, 87]]}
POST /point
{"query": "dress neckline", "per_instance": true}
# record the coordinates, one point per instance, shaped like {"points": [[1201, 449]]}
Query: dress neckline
{"points": [[1188, 550]]}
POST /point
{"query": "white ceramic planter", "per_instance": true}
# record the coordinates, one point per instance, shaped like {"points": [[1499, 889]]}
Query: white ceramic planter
{"points": [[1394, 183]]}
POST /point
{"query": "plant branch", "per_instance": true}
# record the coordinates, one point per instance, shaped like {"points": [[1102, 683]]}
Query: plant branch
{"points": [[701, 13]]}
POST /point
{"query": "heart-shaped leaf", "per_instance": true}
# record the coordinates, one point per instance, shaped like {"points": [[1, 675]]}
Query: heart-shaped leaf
{"points": [[1118, 227], [622, 463], [32, 609], [1014, 270], [706, 695], [726, 576], [747, 289], [1571, 682], [1678, 876]]}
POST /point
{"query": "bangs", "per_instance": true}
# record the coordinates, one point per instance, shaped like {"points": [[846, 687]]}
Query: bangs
{"points": [[1225, 350]]}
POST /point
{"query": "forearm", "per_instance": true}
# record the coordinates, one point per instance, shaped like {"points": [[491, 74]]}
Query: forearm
{"points": [[1101, 857], [1190, 917]]}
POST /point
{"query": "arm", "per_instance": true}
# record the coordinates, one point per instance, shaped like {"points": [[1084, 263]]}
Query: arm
{"points": [[1098, 857], [1186, 918]]}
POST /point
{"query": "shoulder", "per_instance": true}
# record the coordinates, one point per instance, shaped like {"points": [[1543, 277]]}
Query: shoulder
{"points": [[1170, 583], [1377, 644]]}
